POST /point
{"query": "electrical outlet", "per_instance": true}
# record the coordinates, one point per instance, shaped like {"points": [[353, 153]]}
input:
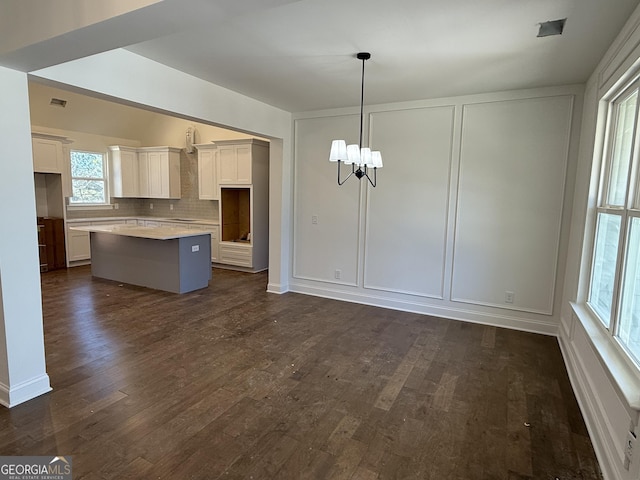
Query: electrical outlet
{"points": [[508, 297], [151, 206], [171, 206], [337, 274], [195, 248], [116, 206], [314, 219]]}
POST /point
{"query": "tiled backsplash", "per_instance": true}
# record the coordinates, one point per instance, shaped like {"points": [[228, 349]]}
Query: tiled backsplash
{"points": [[188, 206]]}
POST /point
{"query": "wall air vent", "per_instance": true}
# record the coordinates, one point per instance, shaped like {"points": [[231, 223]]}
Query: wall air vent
{"points": [[58, 102], [552, 27]]}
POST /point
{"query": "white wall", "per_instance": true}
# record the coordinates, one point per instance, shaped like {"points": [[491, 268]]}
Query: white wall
{"points": [[22, 365], [606, 386], [472, 202]]}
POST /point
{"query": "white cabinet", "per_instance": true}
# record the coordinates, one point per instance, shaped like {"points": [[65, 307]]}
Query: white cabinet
{"points": [[145, 172], [79, 243], [159, 172], [47, 153], [207, 172], [78, 246], [236, 159], [124, 171], [243, 176]]}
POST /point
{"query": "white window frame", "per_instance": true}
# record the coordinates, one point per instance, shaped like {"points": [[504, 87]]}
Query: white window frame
{"points": [[105, 179], [626, 212]]}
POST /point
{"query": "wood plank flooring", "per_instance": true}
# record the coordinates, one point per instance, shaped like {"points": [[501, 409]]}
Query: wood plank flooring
{"points": [[233, 383]]}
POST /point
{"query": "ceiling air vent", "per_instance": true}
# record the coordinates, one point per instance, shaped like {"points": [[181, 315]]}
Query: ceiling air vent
{"points": [[552, 27], [58, 102]]}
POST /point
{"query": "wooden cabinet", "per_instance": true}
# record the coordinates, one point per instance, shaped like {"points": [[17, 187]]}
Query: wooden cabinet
{"points": [[146, 172], [124, 172], [207, 172]]}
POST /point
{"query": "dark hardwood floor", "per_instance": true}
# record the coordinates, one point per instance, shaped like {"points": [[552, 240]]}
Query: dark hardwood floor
{"points": [[231, 382]]}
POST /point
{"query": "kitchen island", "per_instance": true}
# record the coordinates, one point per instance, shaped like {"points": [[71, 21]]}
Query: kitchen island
{"points": [[173, 259]]}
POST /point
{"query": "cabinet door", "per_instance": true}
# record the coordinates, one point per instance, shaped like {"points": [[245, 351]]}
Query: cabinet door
{"points": [[215, 256], [157, 189], [243, 164], [125, 173], [227, 165], [143, 174], [129, 164], [47, 156], [78, 245], [207, 185]]}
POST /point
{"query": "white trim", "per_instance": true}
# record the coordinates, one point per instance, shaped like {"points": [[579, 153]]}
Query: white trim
{"points": [[15, 395], [86, 206], [617, 365], [445, 311], [276, 288]]}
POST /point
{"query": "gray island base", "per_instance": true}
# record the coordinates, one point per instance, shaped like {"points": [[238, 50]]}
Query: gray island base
{"points": [[169, 259]]}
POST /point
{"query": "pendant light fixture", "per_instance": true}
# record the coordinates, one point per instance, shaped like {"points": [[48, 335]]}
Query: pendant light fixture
{"points": [[362, 160]]}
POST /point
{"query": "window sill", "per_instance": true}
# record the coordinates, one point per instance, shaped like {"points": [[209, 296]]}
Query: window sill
{"points": [[619, 368], [89, 207]]}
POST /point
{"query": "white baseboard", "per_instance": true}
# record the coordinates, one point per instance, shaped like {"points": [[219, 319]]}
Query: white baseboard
{"points": [[594, 416], [277, 288], [453, 313], [17, 394]]}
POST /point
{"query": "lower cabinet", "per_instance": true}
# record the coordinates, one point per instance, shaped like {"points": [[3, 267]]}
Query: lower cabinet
{"points": [[78, 243], [234, 253], [78, 247]]}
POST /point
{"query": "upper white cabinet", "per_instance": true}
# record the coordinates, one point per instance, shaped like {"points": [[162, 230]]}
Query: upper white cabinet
{"points": [[124, 171], [207, 172], [160, 169], [146, 172], [236, 159], [51, 155], [47, 153]]}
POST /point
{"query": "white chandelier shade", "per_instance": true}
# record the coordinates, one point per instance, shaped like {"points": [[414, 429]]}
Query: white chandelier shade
{"points": [[353, 154], [361, 159]]}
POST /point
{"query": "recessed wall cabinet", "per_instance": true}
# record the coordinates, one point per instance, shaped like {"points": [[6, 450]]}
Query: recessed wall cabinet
{"points": [[153, 172], [207, 172], [243, 176]]}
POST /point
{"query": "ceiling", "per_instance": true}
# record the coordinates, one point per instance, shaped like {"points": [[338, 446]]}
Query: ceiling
{"points": [[299, 55]]}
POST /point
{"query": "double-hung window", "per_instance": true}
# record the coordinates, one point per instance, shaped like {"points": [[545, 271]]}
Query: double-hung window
{"points": [[88, 178], [614, 289]]}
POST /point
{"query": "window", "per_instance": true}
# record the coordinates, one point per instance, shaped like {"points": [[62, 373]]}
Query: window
{"points": [[88, 178], [614, 288]]}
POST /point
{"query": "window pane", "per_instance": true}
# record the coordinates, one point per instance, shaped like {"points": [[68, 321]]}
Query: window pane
{"points": [[621, 154], [629, 325], [87, 165], [87, 191], [604, 266]]}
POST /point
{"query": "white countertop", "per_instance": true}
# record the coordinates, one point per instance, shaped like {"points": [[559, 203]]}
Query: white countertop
{"points": [[155, 233]]}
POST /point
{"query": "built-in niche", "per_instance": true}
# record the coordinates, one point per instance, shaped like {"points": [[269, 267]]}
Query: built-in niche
{"points": [[236, 214]]}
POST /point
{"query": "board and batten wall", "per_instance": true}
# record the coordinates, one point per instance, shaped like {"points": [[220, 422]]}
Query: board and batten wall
{"points": [[473, 202]]}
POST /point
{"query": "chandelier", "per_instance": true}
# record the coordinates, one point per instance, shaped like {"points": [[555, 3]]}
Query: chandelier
{"points": [[362, 160]]}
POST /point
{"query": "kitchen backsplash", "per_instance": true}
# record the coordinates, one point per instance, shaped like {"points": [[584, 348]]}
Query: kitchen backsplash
{"points": [[189, 206]]}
